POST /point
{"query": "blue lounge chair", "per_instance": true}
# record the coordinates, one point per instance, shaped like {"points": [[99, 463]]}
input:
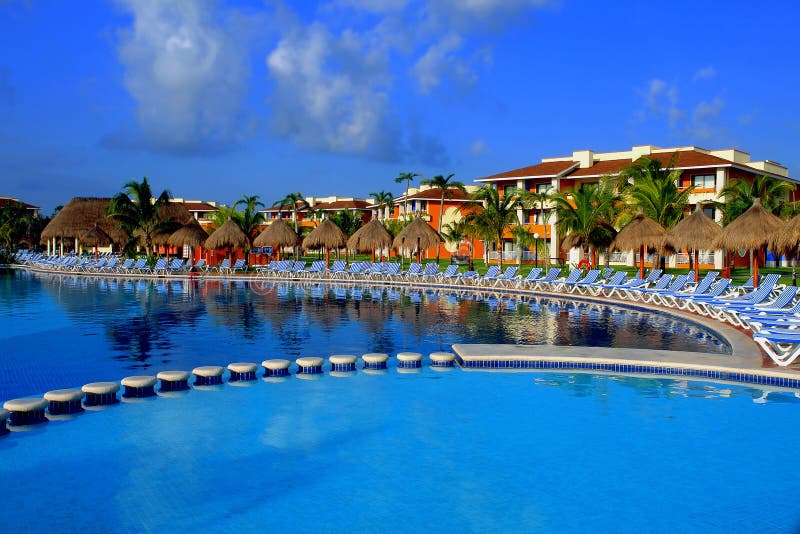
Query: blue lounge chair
{"points": [[717, 308], [532, 276], [780, 344], [616, 280], [431, 269], [450, 273], [491, 273], [671, 298], [415, 269], [573, 276], [551, 276], [649, 295], [583, 284], [508, 275]]}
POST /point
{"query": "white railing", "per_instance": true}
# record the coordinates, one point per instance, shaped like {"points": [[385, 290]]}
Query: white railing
{"points": [[705, 258], [618, 257]]}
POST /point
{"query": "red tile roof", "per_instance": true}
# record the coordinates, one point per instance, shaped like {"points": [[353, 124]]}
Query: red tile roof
{"points": [[612, 166], [547, 169], [198, 206], [8, 201], [690, 158], [436, 194], [342, 204]]}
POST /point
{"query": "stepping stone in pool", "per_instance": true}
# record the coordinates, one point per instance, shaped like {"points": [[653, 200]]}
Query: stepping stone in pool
{"points": [[174, 380], [276, 367], [375, 360], [28, 411], [309, 365], [139, 387], [343, 362], [100, 393], [207, 375], [442, 359], [64, 401], [242, 371], [409, 360]]}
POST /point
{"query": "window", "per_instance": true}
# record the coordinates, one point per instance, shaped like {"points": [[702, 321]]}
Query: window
{"points": [[587, 185], [537, 218], [508, 189], [709, 210], [703, 181], [543, 188]]}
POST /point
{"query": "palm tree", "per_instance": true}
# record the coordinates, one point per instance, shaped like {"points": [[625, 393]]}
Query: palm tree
{"points": [[383, 199], [739, 195], [406, 177], [494, 215], [222, 214], [138, 214], [580, 215], [445, 186], [293, 200], [250, 218], [348, 220], [655, 190], [15, 223], [537, 201], [523, 238]]}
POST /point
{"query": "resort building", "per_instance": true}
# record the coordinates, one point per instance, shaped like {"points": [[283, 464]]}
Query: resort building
{"points": [[201, 210], [709, 171], [9, 201], [314, 209], [426, 202]]}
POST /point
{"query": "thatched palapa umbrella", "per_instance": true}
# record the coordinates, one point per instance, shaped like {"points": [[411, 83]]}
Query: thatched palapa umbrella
{"points": [[695, 232], [751, 230], [95, 237], [79, 216], [642, 233], [229, 235], [278, 234], [788, 239], [191, 234], [369, 237], [417, 234], [327, 235]]}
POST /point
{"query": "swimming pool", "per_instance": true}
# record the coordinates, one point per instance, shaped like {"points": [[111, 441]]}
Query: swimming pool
{"points": [[63, 331], [422, 451]]}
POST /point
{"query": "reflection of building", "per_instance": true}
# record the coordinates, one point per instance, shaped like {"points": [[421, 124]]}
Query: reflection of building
{"points": [[709, 171], [8, 201]]}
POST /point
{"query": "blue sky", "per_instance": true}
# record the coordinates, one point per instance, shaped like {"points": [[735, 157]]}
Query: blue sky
{"points": [[216, 99]]}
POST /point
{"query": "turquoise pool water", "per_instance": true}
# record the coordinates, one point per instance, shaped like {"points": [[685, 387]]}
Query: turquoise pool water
{"points": [[450, 451], [64, 331]]}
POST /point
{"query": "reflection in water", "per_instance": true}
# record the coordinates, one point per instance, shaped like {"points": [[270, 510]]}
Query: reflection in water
{"points": [[114, 326], [597, 385]]}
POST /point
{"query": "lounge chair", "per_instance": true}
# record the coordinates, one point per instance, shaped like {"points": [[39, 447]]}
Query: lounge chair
{"points": [[431, 269], [573, 276], [717, 308], [671, 298], [532, 276], [716, 290], [733, 313], [509, 274], [650, 295], [415, 269], [338, 267], [491, 274], [635, 293], [780, 344], [583, 284], [317, 268], [616, 280], [450, 273], [224, 266], [551, 276]]}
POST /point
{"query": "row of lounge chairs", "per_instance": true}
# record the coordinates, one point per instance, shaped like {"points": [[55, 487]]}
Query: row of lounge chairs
{"points": [[117, 265]]}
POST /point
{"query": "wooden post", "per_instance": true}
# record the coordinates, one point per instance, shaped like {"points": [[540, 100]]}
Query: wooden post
{"points": [[641, 262], [696, 267], [755, 269]]}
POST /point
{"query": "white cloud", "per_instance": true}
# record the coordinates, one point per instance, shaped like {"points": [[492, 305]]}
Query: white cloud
{"points": [[705, 117], [478, 147], [706, 73], [440, 61], [187, 74], [330, 91], [662, 99]]}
